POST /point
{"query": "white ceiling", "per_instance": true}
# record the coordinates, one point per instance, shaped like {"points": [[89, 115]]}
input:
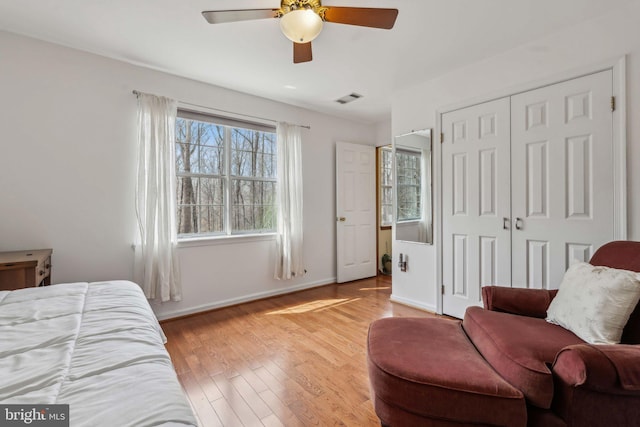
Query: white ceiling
{"points": [[430, 38]]}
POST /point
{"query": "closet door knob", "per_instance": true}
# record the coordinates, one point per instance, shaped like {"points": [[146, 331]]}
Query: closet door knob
{"points": [[519, 224], [505, 223]]}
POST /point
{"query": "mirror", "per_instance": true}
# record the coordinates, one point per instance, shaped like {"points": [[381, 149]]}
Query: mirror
{"points": [[412, 181]]}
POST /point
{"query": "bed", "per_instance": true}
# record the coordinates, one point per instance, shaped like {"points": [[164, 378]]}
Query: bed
{"points": [[95, 346]]}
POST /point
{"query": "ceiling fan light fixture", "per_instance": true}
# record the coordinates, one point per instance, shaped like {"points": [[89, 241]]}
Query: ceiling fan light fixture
{"points": [[301, 25]]}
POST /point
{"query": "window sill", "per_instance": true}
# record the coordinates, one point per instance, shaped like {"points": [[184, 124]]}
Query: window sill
{"points": [[407, 222], [224, 240]]}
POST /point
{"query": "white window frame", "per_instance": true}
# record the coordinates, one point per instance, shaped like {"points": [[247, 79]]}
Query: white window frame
{"points": [[226, 176]]}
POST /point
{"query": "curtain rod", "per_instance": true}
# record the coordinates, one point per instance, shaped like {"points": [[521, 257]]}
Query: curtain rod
{"points": [[137, 92]]}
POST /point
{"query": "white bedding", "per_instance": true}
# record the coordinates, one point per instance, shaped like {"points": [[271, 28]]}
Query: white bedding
{"points": [[97, 347]]}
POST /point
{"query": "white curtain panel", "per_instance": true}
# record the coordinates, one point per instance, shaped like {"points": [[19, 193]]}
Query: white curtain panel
{"points": [[289, 240], [157, 265]]}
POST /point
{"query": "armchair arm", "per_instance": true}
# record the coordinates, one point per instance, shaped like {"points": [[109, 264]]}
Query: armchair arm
{"points": [[525, 302], [605, 368]]}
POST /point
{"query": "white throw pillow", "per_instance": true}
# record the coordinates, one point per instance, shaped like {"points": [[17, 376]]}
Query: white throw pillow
{"points": [[595, 302]]}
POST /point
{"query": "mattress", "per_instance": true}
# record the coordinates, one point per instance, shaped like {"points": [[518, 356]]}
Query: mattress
{"points": [[95, 346]]}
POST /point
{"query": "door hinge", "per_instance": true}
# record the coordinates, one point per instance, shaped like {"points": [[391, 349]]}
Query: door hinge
{"points": [[442, 289], [441, 137], [613, 103]]}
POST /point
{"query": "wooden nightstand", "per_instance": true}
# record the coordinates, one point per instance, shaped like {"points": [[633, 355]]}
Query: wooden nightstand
{"points": [[24, 269]]}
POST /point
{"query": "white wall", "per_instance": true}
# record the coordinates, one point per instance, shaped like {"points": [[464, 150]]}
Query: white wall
{"points": [[383, 133], [67, 173], [605, 38]]}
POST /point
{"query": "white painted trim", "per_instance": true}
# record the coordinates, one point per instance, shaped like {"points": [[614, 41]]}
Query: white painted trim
{"points": [[412, 303], [224, 240], [620, 149], [619, 139], [243, 299], [437, 209]]}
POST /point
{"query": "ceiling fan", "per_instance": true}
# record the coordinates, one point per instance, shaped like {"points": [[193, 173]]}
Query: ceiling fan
{"points": [[301, 20]]}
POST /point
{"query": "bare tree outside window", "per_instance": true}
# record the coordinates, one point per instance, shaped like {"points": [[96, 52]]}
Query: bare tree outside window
{"points": [[408, 185], [213, 158], [253, 171]]}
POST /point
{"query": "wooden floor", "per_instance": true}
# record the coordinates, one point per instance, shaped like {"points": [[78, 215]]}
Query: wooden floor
{"points": [[293, 360]]}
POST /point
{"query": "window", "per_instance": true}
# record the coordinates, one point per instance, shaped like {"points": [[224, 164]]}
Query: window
{"points": [[408, 187], [386, 186], [226, 176]]}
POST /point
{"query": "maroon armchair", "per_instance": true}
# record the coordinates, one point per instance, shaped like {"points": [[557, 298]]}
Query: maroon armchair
{"points": [[505, 365], [583, 384]]}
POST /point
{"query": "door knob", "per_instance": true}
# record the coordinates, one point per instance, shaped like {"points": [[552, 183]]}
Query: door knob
{"points": [[519, 224], [341, 219], [505, 223]]}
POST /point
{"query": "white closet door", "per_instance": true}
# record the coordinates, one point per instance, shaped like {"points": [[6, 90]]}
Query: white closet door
{"points": [[476, 207], [562, 177]]}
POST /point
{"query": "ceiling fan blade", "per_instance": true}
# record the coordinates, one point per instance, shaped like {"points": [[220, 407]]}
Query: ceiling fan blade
{"points": [[362, 16], [302, 52], [223, 16]]}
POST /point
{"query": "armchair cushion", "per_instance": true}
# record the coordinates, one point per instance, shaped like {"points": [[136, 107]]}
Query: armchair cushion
{"points": [[595, 302], [613, 369], [521, 349], [525, 302]]}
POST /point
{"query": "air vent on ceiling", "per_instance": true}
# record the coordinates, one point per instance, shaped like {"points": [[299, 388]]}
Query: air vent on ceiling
{"points": [[348, 98]]}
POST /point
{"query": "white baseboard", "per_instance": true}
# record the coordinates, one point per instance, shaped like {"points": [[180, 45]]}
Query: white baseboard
{"points": [[412, 303], [243, 299]]}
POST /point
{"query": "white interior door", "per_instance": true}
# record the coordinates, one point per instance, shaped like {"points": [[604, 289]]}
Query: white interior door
{"points": [[562, 184], [355, 211], [476, 246]]}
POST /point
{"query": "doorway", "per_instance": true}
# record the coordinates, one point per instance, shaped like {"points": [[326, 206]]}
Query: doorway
{"points": [[384, 208]]}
